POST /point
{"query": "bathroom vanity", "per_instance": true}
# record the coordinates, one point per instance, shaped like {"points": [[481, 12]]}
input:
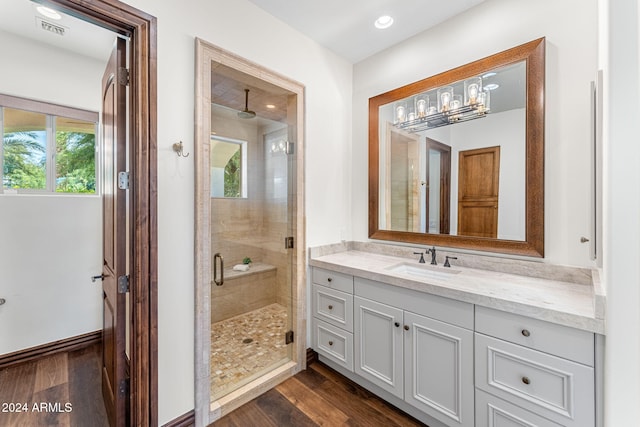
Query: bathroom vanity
{"points": [[516, 343]]}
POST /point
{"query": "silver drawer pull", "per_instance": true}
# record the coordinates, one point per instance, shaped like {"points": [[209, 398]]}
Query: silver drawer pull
{"points": [[330, 307], [330, 342], [526, 333], [526, 380]]}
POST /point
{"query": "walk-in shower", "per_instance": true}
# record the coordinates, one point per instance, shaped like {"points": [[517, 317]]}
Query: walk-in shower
{"points": [[250, 304]]}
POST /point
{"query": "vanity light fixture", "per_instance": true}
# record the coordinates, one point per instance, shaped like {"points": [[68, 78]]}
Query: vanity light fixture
{"points": [[270, 106], [383, 22], [413, 115], [48, 12]]}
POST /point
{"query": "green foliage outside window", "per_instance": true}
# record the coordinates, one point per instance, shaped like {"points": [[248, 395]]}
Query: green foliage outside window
{"points": [[232, 176], [24, 161], [75, 162], [24, 165]]}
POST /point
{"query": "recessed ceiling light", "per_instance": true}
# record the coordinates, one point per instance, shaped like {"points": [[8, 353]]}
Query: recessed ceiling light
{"points": [[385, 21], [270, 106], [49, 13], [492, 86]]}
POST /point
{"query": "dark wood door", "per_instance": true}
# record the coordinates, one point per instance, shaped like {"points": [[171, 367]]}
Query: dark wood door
{"points": [[115, 388], [478, 180], [443, 183]]}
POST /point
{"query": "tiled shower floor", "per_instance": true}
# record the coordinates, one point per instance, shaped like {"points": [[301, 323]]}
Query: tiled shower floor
{"points": [[245, 347]]}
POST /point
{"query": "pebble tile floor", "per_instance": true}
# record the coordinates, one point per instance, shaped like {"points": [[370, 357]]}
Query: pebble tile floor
{"points": [[246, 346]]}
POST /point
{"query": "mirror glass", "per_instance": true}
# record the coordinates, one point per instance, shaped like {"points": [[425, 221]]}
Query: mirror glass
{"points": [[456, 158]]}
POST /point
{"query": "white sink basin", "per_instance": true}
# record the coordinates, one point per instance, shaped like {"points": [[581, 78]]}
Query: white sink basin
{"points": [[422, 271]]}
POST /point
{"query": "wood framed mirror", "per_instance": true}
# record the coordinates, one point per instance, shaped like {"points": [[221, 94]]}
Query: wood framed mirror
{"points": [[457, 159]]}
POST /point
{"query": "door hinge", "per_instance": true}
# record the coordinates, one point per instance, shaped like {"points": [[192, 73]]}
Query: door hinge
{"points": [[123, 284], [288, 242], [123, 76], [290, 147], [123, 180], [288, 337], [123, 387]]}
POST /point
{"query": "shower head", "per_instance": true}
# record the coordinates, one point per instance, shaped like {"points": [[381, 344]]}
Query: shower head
{"points": [[246, 113]]}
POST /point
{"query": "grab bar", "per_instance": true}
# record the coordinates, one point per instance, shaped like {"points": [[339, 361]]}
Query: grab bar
{"points": [[215, 269]]}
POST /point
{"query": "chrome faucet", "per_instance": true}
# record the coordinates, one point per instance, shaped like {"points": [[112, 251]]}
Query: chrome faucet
{"points": [[432, 251]]}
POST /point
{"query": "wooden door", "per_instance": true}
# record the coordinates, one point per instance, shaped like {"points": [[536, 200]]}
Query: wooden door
{"points": [[439, 369], [439, 207], [115, 389], [378, 344], [478, 180]]}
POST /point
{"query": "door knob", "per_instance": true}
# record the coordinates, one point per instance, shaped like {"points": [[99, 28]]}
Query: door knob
{"points": [[101, 277]]}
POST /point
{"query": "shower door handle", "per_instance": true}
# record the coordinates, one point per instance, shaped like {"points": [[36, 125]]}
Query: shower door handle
{"points": [[217, 257]]}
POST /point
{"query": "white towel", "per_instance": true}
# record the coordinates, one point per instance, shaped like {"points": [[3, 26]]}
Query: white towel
{"points": [[241, 267]]}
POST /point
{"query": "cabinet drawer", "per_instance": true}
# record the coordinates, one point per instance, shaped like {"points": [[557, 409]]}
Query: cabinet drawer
{"points": [[436, 307], [340, 281], [554, 388], [555, 339], [333, 306], [494, 412], [333, 343]]}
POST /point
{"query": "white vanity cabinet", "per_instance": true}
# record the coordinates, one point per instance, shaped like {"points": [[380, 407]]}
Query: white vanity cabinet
{"points": [[332, 308], [452, 363], [405, 345], [532, 373]]}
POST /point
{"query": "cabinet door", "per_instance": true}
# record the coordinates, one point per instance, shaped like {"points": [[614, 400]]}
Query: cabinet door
{"points": [[378, 344], [439, 369]]}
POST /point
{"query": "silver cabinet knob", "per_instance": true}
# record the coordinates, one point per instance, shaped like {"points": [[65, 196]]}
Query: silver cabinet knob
{"points": [[526, 333], [526, 380], [330, 342], [406, 327]]}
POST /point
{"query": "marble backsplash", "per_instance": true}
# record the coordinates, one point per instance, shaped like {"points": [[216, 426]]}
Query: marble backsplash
{"points": [[582, 276]]}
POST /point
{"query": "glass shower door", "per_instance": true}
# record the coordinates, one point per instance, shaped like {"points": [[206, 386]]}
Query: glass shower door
{"points": [[251, 227]]}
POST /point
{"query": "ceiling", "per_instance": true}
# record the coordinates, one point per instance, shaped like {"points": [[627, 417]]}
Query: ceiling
{"points": [[20, 17], [346, 26]]}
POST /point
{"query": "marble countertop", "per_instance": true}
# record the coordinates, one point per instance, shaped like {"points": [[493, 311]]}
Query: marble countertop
{"points": [[577, 305]]}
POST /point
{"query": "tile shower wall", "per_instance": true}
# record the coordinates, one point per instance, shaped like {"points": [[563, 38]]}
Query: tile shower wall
{"points": [[255, 226]]}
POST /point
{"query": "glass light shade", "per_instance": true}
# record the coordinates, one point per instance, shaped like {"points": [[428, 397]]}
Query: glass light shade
{"points": [[484, 101], [456, 102], [422, 105], [400, 112], [445, 95], [433, 108], [472, 88]]}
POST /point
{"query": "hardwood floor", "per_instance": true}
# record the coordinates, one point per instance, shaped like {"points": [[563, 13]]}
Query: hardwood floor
{"points": [[59, 390], [318, 396]]}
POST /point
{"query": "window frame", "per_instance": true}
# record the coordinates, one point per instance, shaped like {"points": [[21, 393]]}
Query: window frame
{"points": [[51, 111], [244, 173]]}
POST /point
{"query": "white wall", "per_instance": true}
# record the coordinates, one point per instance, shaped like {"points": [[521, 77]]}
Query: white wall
{"points": [[620, 59], [50, 245], [571, 62], [246, 30]]}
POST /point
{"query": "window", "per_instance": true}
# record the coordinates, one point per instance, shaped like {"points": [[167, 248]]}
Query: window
{"points": [[228, 167], [46, 147]]}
